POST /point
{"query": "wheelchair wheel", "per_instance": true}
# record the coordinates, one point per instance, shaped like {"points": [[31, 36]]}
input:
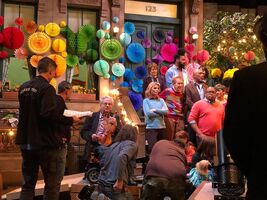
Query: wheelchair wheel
{"points": [[92, 175]]}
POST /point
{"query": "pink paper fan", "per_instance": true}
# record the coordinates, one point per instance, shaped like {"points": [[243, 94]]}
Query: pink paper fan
{"points": [[190, 69], [190, 48], [163, 70], [168, 51], [202, 56], [21, 53]]}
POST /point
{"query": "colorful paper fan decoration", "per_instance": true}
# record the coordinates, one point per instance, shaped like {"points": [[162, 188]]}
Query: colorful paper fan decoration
{"points": [[202, 56], [125, 39], [140, 35], [249, 56], [105, 25], [163, 70], [146, 43], [53, 82], [107, 36], [189, 48], [140, 72], [124, 84], [41, 28], [19, 21], [1, 20], [62, 24], [158, 59], [137, 85], [129, 28], [100, 34], [190, 70], [216, 73], [101, 68], [30, 27], [168, 51], [115, 19], [72, 60], [13, 38], [21, 53], [170, 33], [135, 52], [91, 55], [88, 31], [59, 45], [136, 99], [155, 47], [61, 64], [52, 29], [128, 75], [39, 43], [111, 49], [118, 69], [3, 54], [168, 39], [159, 35], [34, 60]]}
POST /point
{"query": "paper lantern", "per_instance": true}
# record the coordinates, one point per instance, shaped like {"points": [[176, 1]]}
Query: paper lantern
{"points": [[19, 21], [125, 39], [52, 29], [118, 69], [105, 25], [100, 34], [62, 24], [13, 38], [101, 67], [41, 28], [59, 45], [61, 64], [39, 43]]}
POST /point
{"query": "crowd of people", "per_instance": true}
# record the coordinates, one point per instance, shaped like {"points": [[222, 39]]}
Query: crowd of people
{"points": [[182, 117]]}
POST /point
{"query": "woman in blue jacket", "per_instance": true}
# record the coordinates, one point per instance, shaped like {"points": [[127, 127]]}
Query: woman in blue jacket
{"points": [[154, 109]]}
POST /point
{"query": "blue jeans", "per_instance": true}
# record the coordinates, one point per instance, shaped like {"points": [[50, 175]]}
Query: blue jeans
{"points": [[114, 195], [52, 163]]}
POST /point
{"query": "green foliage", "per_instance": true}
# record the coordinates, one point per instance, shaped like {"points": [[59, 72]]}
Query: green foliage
{"points": [[229, 38]]}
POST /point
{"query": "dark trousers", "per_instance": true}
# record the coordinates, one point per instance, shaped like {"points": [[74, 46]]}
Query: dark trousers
{"points": [[154, 135], [156, 188], [52, 163]]}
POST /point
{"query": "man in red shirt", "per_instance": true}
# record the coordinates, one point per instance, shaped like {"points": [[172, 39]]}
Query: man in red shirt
{"points": [[206, 116]]}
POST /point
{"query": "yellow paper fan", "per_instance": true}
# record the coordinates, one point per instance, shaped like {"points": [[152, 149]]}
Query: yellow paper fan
{"points": [[53, 82], [61, 64], [39, 43], [59, 45], [52, 29], [34, 60]]}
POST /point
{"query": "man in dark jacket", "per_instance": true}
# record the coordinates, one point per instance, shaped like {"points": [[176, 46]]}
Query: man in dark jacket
{"points": [[40, 143], [244, 130]]}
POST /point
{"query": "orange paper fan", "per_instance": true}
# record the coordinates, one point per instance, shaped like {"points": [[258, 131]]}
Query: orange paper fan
{"points": [[61, 64], [34, 60], [30, 27], [39, 43]]}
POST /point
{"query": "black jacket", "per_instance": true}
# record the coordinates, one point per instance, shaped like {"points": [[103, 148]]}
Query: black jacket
{"points": [[63, 129], [38, 115]]}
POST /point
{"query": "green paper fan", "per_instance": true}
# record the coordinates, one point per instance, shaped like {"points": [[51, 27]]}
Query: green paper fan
{"points": [[72, 60], [88, 31], [111, 49]]}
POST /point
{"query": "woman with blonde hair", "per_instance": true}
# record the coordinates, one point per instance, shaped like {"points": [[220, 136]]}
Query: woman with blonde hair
{"points": [[154, 109]]}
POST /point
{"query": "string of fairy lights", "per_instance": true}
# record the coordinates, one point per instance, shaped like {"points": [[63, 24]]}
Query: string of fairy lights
{"points": [[115, 94]]}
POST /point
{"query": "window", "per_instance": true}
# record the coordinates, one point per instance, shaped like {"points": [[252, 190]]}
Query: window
{"points": [[17, 69], [83, 73], [12, 11]]}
